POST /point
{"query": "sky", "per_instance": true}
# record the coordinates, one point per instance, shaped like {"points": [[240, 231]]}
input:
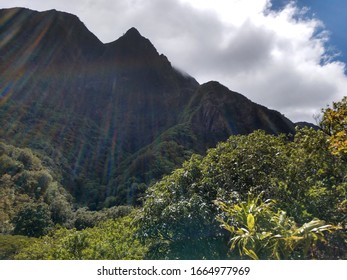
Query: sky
{"points": [[286, 55]]}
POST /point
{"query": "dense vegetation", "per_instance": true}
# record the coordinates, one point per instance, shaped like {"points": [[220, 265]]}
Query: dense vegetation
{"points": [[113, 239], [89, 130], [255, 196], [191, 213]]}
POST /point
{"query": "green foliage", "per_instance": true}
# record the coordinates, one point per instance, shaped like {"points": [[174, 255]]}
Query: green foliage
{"points": [[9, 166], [245, 163], [312, 182], [260, 230], [334, 122], [25, 181], [151, 163], [178, 217], [301, 174], [51, 138], [33, 183], [112, 239], [33, 219], [10, 245], [59, 205], [84, 218], [179, 212], [29, 161]]}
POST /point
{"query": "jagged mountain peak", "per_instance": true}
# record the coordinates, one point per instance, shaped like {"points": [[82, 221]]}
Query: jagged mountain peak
{"points": [[132, 45], [133, 32]]}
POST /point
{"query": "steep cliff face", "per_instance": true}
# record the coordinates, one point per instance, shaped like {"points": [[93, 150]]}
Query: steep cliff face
{"points": [[147, 92], [112, 114], [215, 113]]}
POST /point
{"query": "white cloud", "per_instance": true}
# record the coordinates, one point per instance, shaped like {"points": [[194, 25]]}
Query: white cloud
{"points": [[276, 59]]}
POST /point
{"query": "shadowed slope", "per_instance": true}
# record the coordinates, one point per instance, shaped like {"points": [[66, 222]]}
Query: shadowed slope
{"points": [[110, 114]]}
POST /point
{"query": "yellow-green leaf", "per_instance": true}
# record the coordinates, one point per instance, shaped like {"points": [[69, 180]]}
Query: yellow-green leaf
{"points": [[250, 222], [251, 254]]}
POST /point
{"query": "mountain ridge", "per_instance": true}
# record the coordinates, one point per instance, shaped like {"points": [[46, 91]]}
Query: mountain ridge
{"points": [[116, 115]]}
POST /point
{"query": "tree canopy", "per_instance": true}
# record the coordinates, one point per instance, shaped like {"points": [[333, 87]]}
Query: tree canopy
{"points": [[257, 196], [306, 180], [334, 122]]}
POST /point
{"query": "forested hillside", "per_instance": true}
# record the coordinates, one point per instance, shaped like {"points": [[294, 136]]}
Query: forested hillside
{"points": [[108, 152], [254, 196], [116, 116]]}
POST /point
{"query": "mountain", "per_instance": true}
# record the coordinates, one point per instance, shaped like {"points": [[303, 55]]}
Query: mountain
{"points": [[113, 117]]}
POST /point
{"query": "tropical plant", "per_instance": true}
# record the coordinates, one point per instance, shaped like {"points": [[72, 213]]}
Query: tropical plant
{"points": [[260, 230]]}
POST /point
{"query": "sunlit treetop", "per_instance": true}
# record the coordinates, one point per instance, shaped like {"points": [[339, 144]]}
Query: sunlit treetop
{"points": [[334, 122]]}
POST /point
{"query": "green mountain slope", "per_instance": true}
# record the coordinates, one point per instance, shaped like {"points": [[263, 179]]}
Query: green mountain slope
{"points": [[114, 117]]}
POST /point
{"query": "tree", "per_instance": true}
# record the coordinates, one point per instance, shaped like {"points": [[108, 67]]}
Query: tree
{"points": [[312, 182], [33, 220], [26, 180], [179, 219], [179, 214], [11, 245], [59, 205], [112, 239], [334, 123], [301, 174]]}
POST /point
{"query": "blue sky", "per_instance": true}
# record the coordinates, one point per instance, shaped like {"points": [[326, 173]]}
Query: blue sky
{"points": [[282, 57], [333, 13]]}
